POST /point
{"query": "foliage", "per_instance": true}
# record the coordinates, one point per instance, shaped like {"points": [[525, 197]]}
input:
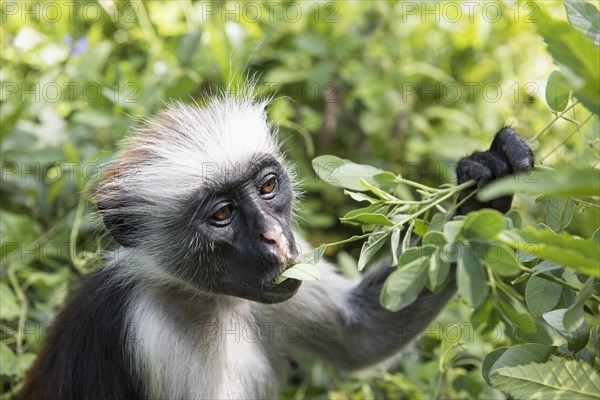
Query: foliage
{"points": [[383, 83], [489, 248]]}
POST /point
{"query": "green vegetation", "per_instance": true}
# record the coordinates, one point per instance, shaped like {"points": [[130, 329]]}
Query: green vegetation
{"points": [[403, 90]]}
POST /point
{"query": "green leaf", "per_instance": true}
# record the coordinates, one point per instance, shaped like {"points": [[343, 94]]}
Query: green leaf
{"points": [[546, 266], [9, 310], [370, 247], [348, 265], [187, 48], [301, 272], [325, 165], [512, 356], [376, 191], [439, 265], [541, 295], [361, 197], [482, 225], [471, 278], [434, 238], [482, 314], [343, 173], [576, 57], [596, 236], [414, 253], [514, 313], [559, 212], [408, 236], [385, 180], [420, 227], [438, 271], [520, 279], [12, 364], [7, 360], [313, 256], [567, 181], [524, 256], [584, 17], [402, 287], [579, 254], [377, 208], [574, 315], [557, 92], [451, 230], [555, 379], [516, 218], [367, 218], [489, 361], [567, 297], [500, 259], [514, 295], [452, 252], [395, 244], [437, 222], [577, 338]]}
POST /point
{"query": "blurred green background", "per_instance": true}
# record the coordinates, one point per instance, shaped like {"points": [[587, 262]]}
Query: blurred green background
{"points": [[406, 86]]}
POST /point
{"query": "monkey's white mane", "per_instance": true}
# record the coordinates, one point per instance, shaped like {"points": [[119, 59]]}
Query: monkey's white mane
{"points": [[185, 145]]}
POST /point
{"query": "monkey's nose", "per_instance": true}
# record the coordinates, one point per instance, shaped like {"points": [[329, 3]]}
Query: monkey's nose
{"points": [[277, 242], [273, 236]]}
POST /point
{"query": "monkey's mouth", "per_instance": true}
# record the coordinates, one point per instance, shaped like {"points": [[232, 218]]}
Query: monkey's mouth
{"points": [[299, 271], [284, 266], [283, 291], [287, 284], [284, 285]]}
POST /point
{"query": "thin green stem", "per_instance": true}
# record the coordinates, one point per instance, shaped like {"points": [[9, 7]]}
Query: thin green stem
{"points": [[440, 196], [552, 121], [492, 282], [23, 307], [460, 203], [417, 185], [308, 140], [586, 203], [569, 136], [554, 279], [450, 192], [402, 202], [353, 239], [146, 25]]}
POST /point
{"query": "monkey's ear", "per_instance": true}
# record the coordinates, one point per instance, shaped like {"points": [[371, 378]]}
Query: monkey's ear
{"points": [[120, 226]]}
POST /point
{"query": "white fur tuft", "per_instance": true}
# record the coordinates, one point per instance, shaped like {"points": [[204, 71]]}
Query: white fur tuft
{"points": [[186, 146]]}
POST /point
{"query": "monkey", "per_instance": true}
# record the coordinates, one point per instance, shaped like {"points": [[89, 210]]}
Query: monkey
{"points": [[202, 205]]}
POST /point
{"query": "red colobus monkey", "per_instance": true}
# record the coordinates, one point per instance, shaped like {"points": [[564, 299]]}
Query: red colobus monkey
{"points": [[202, 206]]}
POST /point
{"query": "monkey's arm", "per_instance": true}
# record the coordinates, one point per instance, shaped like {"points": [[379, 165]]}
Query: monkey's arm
{"points": [[344, 322]]}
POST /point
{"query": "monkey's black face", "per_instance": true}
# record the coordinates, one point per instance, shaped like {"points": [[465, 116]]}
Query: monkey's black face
{"points": [[242, 227]]}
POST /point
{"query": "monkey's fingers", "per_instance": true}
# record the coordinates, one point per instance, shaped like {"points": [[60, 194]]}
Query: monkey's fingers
{"points": [[515, 149], [483, 167]]}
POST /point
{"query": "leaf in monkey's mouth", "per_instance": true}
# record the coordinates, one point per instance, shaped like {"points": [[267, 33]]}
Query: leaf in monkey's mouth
{"points": [[301, 272]]}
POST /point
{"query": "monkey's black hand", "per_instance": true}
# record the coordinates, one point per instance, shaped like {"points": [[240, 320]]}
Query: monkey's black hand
{"points": [[508, 154]]}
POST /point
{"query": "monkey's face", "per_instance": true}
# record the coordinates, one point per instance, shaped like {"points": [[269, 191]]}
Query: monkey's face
{"points": [[200, 191], [242, 222]]}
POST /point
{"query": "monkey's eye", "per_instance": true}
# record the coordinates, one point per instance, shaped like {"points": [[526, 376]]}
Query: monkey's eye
{"points": [[223, 215], [267, 189]]}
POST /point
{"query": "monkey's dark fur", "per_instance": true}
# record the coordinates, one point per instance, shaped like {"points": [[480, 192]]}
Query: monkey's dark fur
{"points": [[202, 206]]}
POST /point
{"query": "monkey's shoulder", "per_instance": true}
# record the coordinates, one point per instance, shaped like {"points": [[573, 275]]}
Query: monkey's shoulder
{"points": [[85, 354]]}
